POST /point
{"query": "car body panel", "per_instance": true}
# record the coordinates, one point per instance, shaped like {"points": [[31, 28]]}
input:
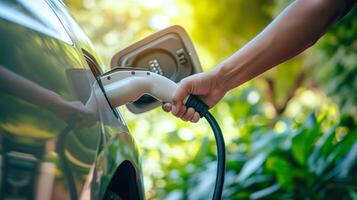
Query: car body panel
{"points": [[45, 79]]}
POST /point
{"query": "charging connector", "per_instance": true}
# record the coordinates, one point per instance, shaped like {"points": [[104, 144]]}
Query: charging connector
{"points": [[126, 86]]}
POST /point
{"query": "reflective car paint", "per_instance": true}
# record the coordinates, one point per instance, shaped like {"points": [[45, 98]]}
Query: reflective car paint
{"points": [[45, 82]]}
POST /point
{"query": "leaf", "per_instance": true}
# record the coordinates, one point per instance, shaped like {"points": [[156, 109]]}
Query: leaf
{"points": [[283, 171], [348, 162], [265, 192], [206, 182], [298, 147], [251, 166], [316, 160], [257, 179], [269, 141], [303, 142], [342, 147]]}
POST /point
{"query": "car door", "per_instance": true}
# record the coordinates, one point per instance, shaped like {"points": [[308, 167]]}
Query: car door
{"points": [[43, 143], [117, 171], [50, 147]]}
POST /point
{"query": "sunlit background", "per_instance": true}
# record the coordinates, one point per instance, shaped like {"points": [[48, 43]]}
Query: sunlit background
{"points": [[289, 133]]}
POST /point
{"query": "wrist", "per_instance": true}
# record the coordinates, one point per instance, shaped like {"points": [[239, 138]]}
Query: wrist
{"points": [[222, 75]]}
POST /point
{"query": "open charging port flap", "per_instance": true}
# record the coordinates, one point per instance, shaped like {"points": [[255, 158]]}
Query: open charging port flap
{"points": [[169, 52]]}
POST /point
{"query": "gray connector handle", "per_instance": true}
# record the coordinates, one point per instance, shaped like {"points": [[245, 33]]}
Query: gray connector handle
{"points": [[122, 87]]}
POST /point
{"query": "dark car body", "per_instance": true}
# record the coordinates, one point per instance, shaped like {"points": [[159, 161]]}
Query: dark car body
{"points": [[49, 149]]}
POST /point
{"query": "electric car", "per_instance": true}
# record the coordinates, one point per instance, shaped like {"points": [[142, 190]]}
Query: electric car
{"points": [[52, 146]]}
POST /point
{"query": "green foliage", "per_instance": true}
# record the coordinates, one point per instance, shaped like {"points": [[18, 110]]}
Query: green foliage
{"points": [[276, 148], [304, 161], [338, 62]]}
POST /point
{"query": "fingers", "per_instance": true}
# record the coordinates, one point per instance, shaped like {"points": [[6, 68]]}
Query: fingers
{"points": [[185, 114], [196, 117], [177, 107], [188, 114], [180, 94], [191, 115], [167, 107], [179, 113]]}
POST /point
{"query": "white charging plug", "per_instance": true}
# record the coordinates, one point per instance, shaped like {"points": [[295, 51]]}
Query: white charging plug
{"points": [[126, 86]]}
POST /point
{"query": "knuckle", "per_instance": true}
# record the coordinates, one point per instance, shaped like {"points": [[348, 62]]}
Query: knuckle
{"points": [[184, 118], [180, 113], [176, 114]]}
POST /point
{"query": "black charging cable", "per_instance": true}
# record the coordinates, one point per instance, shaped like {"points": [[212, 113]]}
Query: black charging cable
{"points": [[202, 109]]}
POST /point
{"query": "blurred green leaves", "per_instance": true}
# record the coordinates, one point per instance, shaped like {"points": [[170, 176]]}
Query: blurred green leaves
{"points": [[295, 170], [337, 54], [302, 141], [286, 138]]}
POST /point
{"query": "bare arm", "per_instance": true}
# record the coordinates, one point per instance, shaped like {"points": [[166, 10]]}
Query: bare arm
{"points": [[297, 28]]}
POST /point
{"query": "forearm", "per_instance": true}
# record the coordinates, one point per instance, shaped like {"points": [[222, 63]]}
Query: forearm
{"points": [[298, 27]]}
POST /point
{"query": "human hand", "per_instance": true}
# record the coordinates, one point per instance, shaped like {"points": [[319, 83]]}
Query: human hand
{"points": [[203, 85]]}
